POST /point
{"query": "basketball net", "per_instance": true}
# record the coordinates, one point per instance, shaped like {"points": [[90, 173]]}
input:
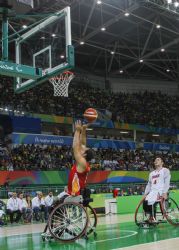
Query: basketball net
{"points": [[61, 83]]}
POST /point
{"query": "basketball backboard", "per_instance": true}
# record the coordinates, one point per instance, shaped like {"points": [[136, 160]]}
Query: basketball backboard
{"points": [[42, 45], [46, 46]]}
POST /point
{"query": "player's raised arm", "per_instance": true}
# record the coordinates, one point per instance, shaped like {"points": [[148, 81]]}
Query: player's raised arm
{"points": [[78, 150], [83, 134]]}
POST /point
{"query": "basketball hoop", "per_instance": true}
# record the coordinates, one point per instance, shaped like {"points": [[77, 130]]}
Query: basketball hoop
{"points": [[61, 83]]}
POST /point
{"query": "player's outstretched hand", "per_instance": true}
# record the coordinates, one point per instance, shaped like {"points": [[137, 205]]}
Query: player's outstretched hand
{"points": [[78, 125]]}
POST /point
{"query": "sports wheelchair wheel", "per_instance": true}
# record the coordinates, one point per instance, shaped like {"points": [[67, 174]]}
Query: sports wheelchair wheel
{"points": [[68, 221], [92, 223], [140, 215], [46, 235], [142, 218], [170, 210]]}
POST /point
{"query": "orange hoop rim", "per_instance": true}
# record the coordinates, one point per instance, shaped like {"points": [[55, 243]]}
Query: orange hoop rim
{"points": [[62, 75]]}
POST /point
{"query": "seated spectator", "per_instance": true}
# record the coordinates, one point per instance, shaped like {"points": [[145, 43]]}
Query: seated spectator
{"points": [[63, 194], [130, 191], [25, 210], [29, 210], [121, 192], [48, 203], [22, 204], [13, 208], [38, 206]]}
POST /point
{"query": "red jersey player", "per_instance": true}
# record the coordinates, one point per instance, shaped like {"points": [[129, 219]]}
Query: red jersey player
{"points": [[78, 174], [82, 154]]}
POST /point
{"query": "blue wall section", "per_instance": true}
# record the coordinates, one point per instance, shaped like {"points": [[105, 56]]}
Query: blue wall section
{"points": [[22, 138], [24, 124]]}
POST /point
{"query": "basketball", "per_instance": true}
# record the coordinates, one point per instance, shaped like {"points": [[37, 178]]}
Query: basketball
{"points": [[90, 115]]}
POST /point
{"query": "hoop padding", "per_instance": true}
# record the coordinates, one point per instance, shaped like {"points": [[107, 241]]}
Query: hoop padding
{"points": [[61, 83]]}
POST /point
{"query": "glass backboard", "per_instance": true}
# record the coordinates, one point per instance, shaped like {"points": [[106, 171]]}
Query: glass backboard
{"points": [[46, 46]]}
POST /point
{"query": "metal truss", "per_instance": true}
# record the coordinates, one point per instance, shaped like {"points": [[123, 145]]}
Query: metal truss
{"points": [[131, 38]]}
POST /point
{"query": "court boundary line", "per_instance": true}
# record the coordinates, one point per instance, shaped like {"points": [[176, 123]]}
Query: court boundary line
{"points": [[116, 238], [147, 243]]}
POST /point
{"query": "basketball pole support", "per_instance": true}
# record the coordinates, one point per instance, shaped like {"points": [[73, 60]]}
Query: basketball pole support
{"points": [[4, 35], [34, 75], [9, 68], [50, 72]]}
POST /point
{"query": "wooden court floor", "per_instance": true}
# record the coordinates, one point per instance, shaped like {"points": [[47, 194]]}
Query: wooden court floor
{"points": [[114, 232]]}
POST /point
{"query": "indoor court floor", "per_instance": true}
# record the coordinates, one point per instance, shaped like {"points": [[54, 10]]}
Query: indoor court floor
{"points": [[113, 232]]}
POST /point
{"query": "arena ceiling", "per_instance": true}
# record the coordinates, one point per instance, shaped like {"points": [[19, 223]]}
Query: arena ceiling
{"points": [[140, 40]]}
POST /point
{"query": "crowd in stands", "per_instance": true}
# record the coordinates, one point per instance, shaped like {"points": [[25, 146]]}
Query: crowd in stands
{"points": [[31, 157], [148, 108]]}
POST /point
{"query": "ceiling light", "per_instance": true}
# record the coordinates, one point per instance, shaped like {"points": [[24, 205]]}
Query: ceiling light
{"points": [[82, 42], [168, 70], [169, 1], [124, 132], [162, 50], [42, 37], [24, 26], [62, 56], [126, 14], [176, 4], [155, 135], [99, 2], [53, 35], [141, 60], [103, 28], [6, 109], [112, 52], [158, 26], [121, 71]]}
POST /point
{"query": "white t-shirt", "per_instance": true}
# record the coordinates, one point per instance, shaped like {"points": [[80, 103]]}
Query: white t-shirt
{"points": [[13, 204], [48, 201], [62, 194], [36, 202], [22, 203]]}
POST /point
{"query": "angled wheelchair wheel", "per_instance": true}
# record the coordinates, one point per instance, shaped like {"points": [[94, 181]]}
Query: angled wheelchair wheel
{"points": [[170, 210], [142, 219], [140, 216], [92, 222], [68, 222], [46, 235]]}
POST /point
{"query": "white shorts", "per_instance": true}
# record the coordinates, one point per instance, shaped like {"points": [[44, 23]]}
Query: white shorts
{"points": [[152, 197]]}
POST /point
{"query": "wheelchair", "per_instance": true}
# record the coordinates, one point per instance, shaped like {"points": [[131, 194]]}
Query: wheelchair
{"points": [[72, 219], [3, 214], [163, 211]]}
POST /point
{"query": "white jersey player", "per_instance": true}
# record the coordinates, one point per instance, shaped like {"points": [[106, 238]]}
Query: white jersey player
{"points": [[159, 182]]}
